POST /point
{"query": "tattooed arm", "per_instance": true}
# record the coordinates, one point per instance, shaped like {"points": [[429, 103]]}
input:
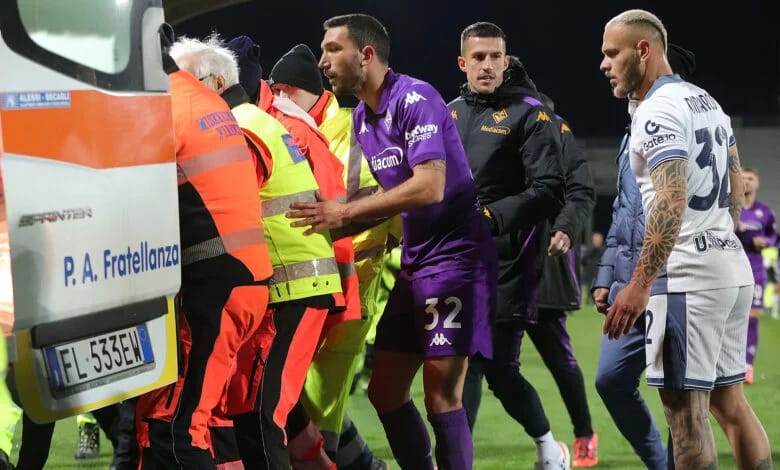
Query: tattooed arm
{"points": [[737, 185], [424, 187], [663, 220]]}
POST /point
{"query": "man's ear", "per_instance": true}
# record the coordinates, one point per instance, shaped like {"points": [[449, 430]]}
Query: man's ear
{"points": [[369, 55], [219, 81], [462, 63], [643, 48]]}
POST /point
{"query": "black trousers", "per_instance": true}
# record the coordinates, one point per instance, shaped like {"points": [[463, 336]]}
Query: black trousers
{"points": [[517, 395], [551, 339]]}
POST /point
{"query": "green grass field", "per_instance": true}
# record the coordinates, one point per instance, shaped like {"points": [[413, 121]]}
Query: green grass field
{"points": [[500, 443]]}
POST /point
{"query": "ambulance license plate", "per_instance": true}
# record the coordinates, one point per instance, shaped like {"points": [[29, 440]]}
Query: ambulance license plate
{"points": [[88, 359]]}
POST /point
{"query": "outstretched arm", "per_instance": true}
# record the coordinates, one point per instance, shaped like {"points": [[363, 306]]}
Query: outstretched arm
{"points": [[426, 186]]}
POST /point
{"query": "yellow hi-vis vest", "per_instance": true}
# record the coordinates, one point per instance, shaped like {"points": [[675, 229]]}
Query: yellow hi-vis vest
{"points": [[369, 245], [304, 266]]}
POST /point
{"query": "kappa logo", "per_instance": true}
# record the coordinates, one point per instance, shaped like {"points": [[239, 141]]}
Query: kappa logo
{"points": [[413, 97], [454, 114], [543, 116], [440, 340], [565, 128], [500, 115], [363, 128]]}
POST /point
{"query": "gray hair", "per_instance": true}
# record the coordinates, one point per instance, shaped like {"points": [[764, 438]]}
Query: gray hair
{"points": [[206, 58], [643, 18]]}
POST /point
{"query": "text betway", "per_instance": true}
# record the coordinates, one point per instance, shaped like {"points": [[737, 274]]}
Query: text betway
{"points": [[420, 133]]}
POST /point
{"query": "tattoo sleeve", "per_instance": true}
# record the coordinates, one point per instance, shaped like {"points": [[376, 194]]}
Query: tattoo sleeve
{"points": [[737, 186], [438, 165], [663, 221]]}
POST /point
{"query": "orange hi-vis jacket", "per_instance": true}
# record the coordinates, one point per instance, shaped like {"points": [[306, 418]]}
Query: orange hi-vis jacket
{"points": [[218, 208], [328, 172]]}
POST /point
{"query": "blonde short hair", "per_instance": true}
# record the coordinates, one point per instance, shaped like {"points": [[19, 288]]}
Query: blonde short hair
{"points": [[642, 18]]}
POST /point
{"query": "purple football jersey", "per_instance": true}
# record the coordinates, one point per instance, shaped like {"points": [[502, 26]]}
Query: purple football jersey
{"points": [[756, 221], [412, 125]]}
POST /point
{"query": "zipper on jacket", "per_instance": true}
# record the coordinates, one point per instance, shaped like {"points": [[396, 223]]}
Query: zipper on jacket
{"points": [[467, 133], [258, 361]]}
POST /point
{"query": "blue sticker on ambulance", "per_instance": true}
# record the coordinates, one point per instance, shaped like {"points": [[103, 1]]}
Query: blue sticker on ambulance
{"points": [[36, 100]]}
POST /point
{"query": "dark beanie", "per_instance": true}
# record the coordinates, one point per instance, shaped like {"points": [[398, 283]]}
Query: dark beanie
{"points": [[298, 68], [249, 70], [682, 61]]}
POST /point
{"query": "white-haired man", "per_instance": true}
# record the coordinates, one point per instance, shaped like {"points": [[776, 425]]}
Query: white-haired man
{"points": [[306, 285], [225, 272]]}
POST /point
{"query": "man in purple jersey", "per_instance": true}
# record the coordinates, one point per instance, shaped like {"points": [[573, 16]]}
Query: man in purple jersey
{"points": [[440, 310], [756, 231]]}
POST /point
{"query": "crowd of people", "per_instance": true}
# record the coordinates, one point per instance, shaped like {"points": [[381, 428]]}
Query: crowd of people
{"points": [[289, 202]]}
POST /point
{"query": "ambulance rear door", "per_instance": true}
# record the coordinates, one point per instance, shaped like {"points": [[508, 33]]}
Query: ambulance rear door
{"points": [[90, 184]]}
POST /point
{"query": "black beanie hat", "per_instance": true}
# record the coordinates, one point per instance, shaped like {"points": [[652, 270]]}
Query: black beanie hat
{"points": [[249, 70], [682, 61], [298, 67]]}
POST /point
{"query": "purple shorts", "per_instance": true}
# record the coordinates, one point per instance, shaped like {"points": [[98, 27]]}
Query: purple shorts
{"points": [[445, 314]]}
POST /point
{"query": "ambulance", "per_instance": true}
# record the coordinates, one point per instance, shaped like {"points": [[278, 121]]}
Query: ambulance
{"points": [[89, 179]]}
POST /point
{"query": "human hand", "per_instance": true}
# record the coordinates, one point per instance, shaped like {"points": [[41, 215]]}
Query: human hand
{"points": [[629, 304], [321, 215], [600, 296], [759, 242], [559, 244]]}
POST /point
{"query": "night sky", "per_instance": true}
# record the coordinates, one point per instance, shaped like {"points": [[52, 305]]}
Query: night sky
{"points": [[737, 48]]}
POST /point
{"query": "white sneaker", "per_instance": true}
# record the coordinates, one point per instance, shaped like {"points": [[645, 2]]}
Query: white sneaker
{"points": [[563, 462]]}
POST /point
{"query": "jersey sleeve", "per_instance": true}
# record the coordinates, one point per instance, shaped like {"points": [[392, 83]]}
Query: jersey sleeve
{"points": [[423, 118], [660, 133]]}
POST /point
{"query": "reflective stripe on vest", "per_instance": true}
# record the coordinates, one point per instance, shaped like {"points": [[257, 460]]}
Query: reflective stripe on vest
{"points": [[281, 205], [304, 269], [346, 269], [217, 182], [304, 266], [221, 245], [209, 161], [354, 162]]}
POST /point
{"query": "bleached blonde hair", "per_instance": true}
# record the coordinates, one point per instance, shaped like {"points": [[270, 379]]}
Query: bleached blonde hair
{"points": [[644, 19], [206, 58]]}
